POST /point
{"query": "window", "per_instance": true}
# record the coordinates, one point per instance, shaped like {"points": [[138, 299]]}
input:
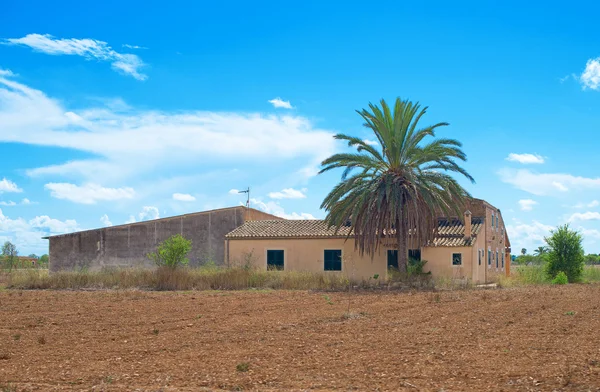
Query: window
{"points": [[492, 220], [479, 255], [414, 254], [502, 260], [332, 260], [496, 258], [392, 257], [275, 260], [456, 259], [489, 258]]}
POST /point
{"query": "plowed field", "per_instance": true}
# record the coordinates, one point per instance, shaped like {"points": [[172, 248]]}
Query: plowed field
{"points": [[539, 338]]}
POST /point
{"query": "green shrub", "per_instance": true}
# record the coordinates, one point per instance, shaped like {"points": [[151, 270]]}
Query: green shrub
{"points": [[415, 267], [172, 252], [566, 253], [560, 278]]}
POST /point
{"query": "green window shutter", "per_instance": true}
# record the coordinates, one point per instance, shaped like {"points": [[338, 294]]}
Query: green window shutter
{"points": [[392, 258], [275, 260], [332, 260]]}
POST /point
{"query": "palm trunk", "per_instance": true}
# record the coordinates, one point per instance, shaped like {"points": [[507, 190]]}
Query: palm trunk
{"points": [[402, 251]]}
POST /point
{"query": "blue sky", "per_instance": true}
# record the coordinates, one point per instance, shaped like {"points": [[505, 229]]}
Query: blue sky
{"points": [[112, 112]]}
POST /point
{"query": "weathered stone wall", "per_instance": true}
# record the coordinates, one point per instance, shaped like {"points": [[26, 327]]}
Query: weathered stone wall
{"points": [[128, 245]]}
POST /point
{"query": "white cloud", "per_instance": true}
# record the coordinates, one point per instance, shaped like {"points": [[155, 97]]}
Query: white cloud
{"points": [[527, 204], [27, 235], [279, 103], [590, 78], [589, 233], [560, 186], [183, 197], [584, 216], [29, 116], [546, 183], [288, 193], [129, 64], [525, 158], [274, 208], [234, 191], [54, 225], [105, 220], [370, 142], [11, 203], [133, 46], [593, 203], [147, 213], [8, 185], [88, 193], [529, 236]]}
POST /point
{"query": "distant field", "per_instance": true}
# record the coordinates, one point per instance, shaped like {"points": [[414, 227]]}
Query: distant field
{"points": [[533, 338]]}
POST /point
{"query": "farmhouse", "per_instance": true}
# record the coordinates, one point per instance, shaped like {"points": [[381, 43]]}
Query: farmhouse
{"points": [[474, 246], [128, 245]]}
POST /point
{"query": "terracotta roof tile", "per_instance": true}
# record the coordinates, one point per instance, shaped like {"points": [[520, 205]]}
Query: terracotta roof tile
{"points": [[309, 228], [450, 232]]}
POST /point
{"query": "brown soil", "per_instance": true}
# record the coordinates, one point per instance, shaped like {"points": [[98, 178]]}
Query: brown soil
{"points": [[538, 338]]}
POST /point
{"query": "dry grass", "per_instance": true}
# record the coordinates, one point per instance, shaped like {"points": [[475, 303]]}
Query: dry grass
{"points": [[217, 278], [177, 279]]}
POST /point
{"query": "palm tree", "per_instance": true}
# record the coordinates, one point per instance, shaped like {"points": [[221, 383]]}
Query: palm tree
{"points": [[523, 251], [541, 250], [400, 187]]}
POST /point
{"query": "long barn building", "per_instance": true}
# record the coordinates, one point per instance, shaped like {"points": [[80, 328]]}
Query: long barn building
{"points": [[128, 245]]}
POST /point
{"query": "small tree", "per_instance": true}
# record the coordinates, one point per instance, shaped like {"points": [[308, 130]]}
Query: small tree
{"points": [[523, 251], [43, 262], [540, 251], [172, 252], [10, 254], [566, 253]]}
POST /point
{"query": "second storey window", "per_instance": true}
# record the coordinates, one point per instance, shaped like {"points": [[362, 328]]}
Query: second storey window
{"points": [[479, 255], [489, 258], [332, 260], [457, 259]]}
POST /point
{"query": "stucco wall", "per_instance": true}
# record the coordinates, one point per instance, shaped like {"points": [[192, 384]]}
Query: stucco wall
{"points": [[439, 261], [128, 245], [307, 255]]}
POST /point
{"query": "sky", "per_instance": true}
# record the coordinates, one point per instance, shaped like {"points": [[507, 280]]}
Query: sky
{"points": [[115, 112]]}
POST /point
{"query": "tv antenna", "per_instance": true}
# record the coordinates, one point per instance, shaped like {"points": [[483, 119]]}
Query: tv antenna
{"points": [[247, 191]]}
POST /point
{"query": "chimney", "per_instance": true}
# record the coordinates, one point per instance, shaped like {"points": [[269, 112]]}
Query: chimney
{"points": [[467, 225]]}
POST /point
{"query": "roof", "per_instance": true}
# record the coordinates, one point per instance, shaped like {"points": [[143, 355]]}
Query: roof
{"points": [[450, 232], [305, 228], [157, 220]]}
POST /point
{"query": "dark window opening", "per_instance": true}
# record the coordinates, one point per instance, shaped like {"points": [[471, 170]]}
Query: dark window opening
{"points": [[392, 258], [275, 260], [479, 255], [489, 258], [414, 254], [496, 259], [503, 260], [456, 258], [332, 260]]}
